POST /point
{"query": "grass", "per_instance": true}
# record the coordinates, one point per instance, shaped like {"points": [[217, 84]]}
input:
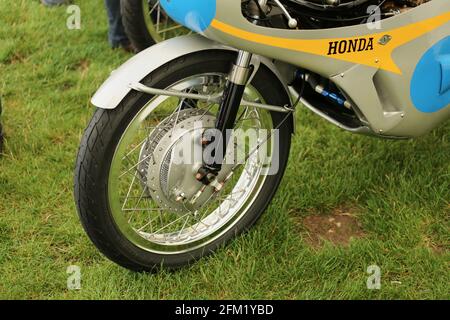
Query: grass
{"points": [[398, 190]]}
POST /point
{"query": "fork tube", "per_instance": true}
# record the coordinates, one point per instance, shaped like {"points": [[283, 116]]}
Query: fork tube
{"points": [[229, 105]]}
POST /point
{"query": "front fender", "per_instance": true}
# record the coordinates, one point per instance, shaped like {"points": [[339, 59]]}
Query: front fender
{"points": [[117, 86]]}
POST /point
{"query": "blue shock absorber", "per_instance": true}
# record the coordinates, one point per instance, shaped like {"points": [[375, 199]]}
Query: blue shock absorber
{"points": [[332, 96]]}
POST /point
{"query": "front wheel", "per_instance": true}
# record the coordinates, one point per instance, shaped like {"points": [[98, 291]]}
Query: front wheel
{"points": [[137, 204]]}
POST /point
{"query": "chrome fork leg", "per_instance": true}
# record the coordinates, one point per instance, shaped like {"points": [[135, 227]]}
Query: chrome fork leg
{"points": [[228, 110], [241, 69], [234, 91]]}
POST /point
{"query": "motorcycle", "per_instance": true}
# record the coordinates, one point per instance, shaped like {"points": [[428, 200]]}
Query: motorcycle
{"points": [[146, 23], [374, 67]]}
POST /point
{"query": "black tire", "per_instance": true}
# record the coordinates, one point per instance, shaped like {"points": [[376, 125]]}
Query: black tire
{"points": [[133, 19], [102, 136]]}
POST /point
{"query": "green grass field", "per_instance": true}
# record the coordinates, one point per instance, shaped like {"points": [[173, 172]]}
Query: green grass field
{"points": [[396, 193]]}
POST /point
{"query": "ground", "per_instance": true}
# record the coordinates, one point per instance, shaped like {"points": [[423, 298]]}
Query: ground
{"points": [[390, 198]]}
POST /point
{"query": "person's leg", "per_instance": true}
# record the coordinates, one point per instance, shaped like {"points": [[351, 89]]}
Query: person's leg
{"points": [[117, 35]]}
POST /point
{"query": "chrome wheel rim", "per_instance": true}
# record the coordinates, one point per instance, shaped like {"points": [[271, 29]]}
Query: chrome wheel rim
{"points": [[157, 230], [159, 25]]}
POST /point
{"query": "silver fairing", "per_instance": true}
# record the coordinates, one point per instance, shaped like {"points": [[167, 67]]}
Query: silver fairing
{"points": [[379, 86]]}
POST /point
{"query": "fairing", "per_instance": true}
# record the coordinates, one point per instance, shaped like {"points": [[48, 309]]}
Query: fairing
{"points": [[400, 87]]}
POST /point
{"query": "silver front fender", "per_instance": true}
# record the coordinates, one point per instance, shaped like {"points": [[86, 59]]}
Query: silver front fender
{"points": [[117, 86]]}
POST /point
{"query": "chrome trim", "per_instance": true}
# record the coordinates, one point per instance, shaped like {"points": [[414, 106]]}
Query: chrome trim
{"points": [[207, 98]]}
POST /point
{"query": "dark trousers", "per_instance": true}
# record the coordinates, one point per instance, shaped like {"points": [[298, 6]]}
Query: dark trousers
{"points": [[117, 35]]}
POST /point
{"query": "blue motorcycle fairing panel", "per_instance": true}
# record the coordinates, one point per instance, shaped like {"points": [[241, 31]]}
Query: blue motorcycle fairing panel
{"points": [[196, 15], [430, 84], [445, 69]]}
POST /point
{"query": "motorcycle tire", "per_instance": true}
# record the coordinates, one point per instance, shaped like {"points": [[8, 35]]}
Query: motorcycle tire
{"points": [[141, 26], [108, 128]]}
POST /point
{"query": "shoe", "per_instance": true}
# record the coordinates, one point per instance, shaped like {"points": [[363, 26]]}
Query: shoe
{"points": [[127, 47]]}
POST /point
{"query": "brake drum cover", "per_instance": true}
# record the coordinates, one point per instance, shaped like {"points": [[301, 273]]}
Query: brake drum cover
{"points": [[173, 157]]}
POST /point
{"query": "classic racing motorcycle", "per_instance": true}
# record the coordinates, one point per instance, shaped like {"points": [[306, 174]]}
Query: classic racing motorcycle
{"points": [[373, 67]]}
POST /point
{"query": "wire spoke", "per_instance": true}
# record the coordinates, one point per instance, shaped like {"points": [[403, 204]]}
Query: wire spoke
{"points": [[136, 165], [172, 223], [148, 208]]}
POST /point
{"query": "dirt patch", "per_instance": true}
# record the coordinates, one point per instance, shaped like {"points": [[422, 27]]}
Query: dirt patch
{"points": [[82, 65], [434, 246], [337, 227], [14, 58], [433, 232]]}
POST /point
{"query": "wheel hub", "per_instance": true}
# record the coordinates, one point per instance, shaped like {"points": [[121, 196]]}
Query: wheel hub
{"points": [[171, 159]]}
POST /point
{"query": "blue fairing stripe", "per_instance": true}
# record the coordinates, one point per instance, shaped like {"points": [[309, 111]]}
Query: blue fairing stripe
{"points": [[430, 85], [196, 15]]}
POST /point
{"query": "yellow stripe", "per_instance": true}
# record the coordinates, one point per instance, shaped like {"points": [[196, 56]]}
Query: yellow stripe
{"points": [[379, 57]]}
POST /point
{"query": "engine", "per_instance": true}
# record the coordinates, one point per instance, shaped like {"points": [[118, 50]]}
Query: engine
{"points": [[321, 14]]}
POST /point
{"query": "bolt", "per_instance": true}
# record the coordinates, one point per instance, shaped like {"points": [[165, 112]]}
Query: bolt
{"points": [[204, 141], [181, 197], [199, 176]]}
